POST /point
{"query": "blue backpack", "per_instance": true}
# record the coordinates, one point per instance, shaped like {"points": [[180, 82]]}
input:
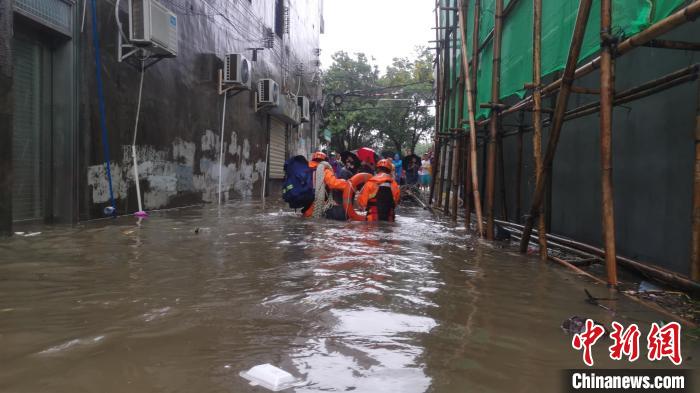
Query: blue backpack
{"points": [[298, 187]]}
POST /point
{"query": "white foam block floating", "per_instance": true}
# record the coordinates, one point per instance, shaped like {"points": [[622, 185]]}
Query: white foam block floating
{"points": [[269, 377]]}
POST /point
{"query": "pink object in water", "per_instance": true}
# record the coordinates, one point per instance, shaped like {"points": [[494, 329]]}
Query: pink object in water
{"points": [[141, 213]]}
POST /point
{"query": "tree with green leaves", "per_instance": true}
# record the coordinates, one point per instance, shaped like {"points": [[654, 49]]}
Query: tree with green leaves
{"points": [[392, 111]]}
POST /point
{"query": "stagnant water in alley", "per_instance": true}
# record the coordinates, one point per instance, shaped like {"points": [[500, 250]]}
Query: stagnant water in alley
{"points": [[186, 299]]}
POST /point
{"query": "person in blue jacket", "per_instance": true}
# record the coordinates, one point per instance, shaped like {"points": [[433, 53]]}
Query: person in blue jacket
{"points": [[397, 165]]}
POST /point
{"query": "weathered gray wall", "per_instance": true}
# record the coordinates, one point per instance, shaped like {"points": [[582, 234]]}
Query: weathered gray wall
{"points": [[653, 159], [180, 121], [6, 109], [178, 135]]}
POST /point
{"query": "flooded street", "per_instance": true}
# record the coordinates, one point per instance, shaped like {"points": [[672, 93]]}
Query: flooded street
{"points": [[189, 298]]}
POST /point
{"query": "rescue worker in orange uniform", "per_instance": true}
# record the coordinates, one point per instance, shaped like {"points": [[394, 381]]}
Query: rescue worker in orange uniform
{"points": [[381, 193], [334, 188]]}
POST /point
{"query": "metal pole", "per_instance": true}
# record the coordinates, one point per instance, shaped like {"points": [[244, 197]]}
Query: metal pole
{"points": [[584, 11]]}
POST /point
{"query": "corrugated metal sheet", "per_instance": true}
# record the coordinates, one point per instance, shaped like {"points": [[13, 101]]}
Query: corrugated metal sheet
{"points": [[26, 138], [278, 151]]}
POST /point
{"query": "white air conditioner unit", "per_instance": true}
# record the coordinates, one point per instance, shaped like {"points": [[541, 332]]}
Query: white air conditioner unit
{"points": [[303, 103], [237, 70], [153, 26], [268, 92]]}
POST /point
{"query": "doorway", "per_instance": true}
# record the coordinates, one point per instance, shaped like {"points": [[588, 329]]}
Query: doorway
{"points": [[31, 137]]}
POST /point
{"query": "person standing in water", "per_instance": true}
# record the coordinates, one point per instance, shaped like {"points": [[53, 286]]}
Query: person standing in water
{"points": [[381, 194], [334, 189]]}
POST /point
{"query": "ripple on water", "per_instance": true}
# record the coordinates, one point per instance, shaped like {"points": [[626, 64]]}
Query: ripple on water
{"points": [[153, 305]]}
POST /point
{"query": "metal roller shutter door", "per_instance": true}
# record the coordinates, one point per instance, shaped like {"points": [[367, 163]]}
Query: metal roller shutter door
{"points": [[26, 138], [278, 151]]}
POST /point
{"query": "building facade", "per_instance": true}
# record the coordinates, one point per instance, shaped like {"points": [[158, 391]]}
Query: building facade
{"points": [[655, 172], [61, 121]]}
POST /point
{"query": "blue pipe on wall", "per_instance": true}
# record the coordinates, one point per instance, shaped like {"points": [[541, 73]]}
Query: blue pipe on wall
{"points": [[101, 101]]}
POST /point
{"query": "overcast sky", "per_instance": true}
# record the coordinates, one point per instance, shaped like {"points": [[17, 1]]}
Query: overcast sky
{"points": [[382, 29]]}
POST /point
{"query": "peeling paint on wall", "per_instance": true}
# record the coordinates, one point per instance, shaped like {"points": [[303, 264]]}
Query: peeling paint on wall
{"points": [[170, 172]]}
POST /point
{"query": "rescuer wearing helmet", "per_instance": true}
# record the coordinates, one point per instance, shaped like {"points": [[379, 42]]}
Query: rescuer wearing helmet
{"points": [[381, 194], [334, 187]]}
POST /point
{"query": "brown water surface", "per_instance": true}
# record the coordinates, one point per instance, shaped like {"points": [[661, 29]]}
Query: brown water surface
{"points": [[414, 306]]}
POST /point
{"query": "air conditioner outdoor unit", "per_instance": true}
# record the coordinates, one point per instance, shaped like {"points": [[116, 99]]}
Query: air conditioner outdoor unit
{"points": [[303, 103], [153, 26], [268, 92], [237, 70]]}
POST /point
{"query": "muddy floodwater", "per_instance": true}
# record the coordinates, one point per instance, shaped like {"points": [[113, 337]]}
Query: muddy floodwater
{"points": [[186, 299]]}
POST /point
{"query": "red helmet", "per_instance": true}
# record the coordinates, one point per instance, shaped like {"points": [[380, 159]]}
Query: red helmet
{"points": [[318, 156], [386, 164]]}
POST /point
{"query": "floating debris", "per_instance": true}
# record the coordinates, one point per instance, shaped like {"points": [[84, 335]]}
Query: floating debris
{"points": [[576, 324], [269, 377]]}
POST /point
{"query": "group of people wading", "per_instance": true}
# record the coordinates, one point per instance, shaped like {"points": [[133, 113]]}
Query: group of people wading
{"points": [[314, 187]]}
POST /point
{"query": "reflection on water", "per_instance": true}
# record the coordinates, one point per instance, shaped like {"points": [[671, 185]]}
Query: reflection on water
{"points": [[185, 300]]}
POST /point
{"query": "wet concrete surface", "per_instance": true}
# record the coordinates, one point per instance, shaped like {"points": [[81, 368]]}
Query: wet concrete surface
{"points": [[413, 306]]}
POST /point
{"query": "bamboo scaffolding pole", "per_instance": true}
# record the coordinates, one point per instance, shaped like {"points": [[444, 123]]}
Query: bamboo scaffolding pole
{"points": [[678, 45], [472, 122], [438, 103], [584, 90], [648, 303], [695, 246], [584, 11], [633, 94], [468, 191], [655, 86], [607, 93], [457, 153], [475, 47], [686, 14], [662, 275], [537, 118], [493, 123], [451, 117], [434, 164], [440, 184], [444, 118], [449, 158]]}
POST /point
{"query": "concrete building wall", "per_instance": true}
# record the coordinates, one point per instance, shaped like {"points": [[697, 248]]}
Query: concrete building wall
{"points": [[6, 109], [181, 112]]}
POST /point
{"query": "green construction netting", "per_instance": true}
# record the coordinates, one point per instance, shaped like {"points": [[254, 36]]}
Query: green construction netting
{"points": [[558, 19]]}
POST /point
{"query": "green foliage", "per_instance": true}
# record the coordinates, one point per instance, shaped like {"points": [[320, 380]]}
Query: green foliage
{"points": [[392, 111]]}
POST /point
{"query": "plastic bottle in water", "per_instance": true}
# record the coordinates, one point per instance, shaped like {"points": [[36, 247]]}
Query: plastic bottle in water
{"points": [[109, 211]]}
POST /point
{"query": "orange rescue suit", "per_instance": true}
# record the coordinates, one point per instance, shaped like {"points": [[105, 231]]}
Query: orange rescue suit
{"points": [[332, 183], [368, 196]]}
